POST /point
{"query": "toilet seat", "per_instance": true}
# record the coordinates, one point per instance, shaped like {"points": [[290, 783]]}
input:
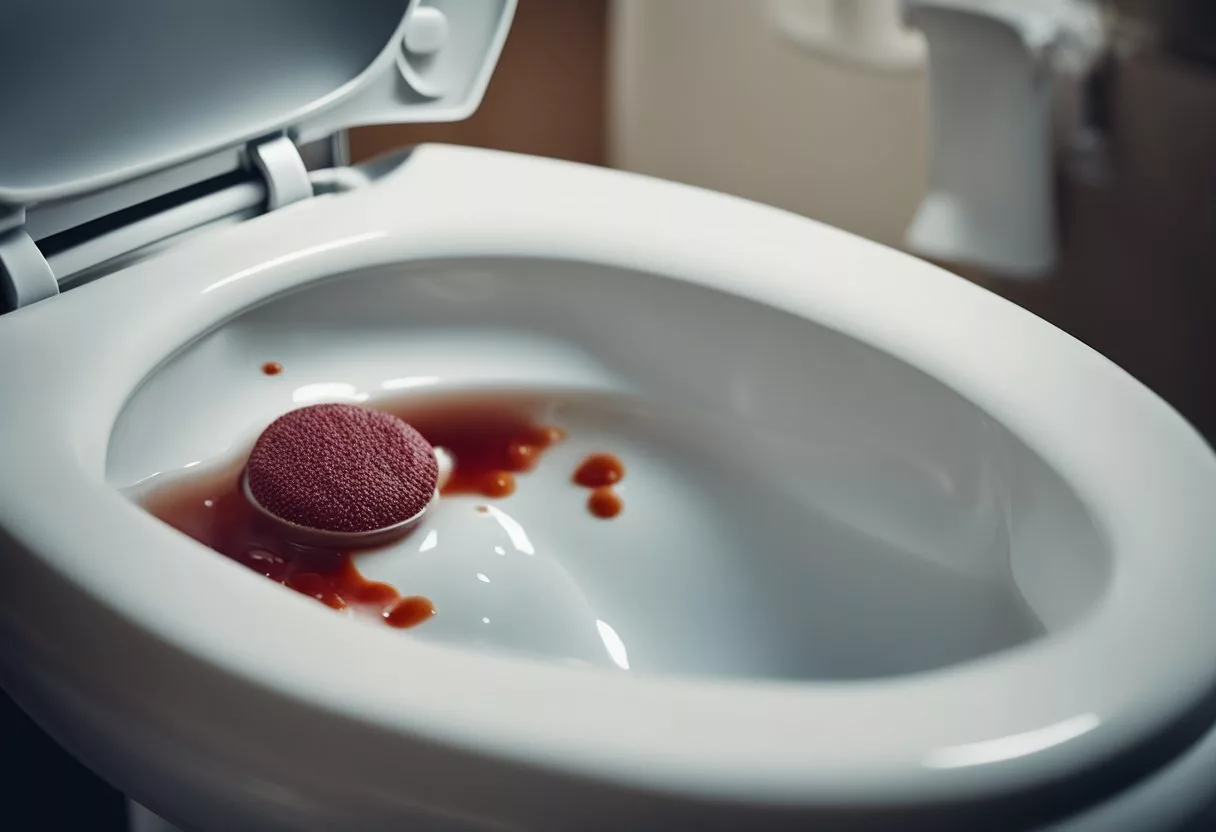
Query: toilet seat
{"points": [[184, 681], [1135, 674]]}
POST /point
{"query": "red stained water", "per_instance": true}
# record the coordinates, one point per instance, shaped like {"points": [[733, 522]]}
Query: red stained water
{"points": [[490, 441]]}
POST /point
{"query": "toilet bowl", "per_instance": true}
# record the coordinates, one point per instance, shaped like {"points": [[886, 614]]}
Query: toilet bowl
{"points": [[893, 553]]}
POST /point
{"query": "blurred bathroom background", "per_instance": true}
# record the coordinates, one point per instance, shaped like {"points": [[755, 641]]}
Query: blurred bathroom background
{"points": [[710, 92]]}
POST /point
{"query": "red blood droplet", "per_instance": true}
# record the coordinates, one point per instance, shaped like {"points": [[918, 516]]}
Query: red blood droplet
{"points": [[498, 484], [409, 612], [342, 468], [599, 469], [521, 456], [604, 502]]}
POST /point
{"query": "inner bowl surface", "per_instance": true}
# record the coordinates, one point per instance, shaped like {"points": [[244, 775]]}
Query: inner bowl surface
{"points": [[797, 504]]}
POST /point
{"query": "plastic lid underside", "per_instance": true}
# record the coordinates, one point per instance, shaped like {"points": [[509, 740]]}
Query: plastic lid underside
{"points": [[98, 93]]}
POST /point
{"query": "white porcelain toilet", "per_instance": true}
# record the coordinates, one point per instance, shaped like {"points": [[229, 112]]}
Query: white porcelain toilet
{"points": [[893, 553]]}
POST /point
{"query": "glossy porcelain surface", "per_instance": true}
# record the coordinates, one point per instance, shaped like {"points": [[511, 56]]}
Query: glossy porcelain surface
{"points": [[783, 483], [821, 478]]}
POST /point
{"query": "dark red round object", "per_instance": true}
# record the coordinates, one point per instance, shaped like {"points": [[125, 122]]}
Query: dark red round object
{"points": [[342, 468]]}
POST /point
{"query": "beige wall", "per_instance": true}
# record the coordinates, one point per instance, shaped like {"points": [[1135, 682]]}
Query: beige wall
{"points": [[705, 92], [547, 95]]}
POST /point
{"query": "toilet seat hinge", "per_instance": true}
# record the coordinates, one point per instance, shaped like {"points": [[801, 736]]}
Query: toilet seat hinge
{"points": [[283, 169], [63, 245], [25, 275]]}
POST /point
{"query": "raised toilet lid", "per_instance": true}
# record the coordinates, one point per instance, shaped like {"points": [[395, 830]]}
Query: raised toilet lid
{"points": [[107, 95], [140, 121]]}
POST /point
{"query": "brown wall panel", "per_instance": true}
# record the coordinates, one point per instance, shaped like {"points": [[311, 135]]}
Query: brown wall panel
{"points": [[547, 96]]}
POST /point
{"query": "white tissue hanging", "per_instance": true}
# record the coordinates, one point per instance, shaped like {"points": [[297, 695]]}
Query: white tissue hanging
{"points": [[991, 198]]}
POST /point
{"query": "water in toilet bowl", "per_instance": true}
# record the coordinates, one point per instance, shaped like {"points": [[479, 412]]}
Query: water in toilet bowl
{"points": [[794, 504], [608, 530]]}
